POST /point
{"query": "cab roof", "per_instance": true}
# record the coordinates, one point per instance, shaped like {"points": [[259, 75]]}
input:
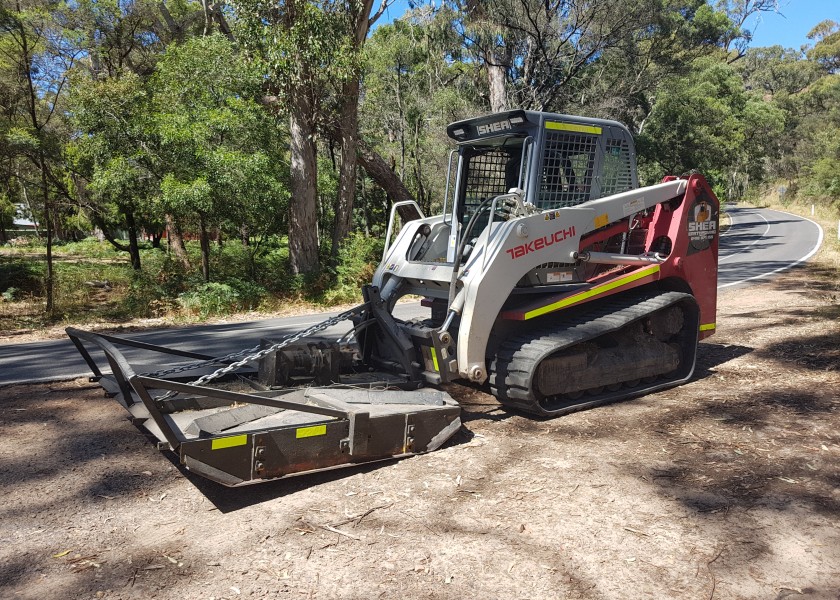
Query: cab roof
{"points": [[521, 123]]}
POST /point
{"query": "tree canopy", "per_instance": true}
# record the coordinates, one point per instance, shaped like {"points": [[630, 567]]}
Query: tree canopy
{"points": [[301, 121]]}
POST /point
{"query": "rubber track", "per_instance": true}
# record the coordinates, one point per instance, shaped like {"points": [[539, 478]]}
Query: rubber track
{"points": [[517, 358]]}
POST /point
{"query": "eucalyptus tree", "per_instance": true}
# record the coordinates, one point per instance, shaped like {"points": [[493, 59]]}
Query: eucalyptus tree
{"points": [[36, 58], [416, 84], [301, 48], [310, 53], [357, 16], [739, 12], [546, 54], [220, 150], [116, 166], [826, 49], [707, 121]]}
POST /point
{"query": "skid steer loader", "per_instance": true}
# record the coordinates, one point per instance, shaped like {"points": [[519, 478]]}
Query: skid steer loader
{"points": [[551, 279]]}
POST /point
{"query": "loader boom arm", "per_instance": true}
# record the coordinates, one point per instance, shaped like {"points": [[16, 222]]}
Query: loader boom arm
{"points": [[507, 252]]}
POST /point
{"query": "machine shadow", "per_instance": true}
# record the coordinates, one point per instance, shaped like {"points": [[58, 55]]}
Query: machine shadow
{"points": [[711, 355], [231, 499]]}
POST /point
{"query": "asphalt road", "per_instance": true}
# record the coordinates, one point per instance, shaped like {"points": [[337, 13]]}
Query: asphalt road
{"points": [[762, 242], [758, 244]]}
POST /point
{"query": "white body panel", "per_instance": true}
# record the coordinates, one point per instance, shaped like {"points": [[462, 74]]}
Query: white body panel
{"points": [[503, 254]]}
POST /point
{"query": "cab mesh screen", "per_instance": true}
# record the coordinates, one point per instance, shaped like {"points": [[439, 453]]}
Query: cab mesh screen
{"points": [[567, 169], [490, 174], [618, 174]]}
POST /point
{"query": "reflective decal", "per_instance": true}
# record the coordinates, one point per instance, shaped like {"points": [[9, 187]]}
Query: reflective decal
{"points": [[315, 430], [229, 442]]}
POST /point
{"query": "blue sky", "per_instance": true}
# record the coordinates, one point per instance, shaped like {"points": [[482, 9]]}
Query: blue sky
{"points": [[791, 26], [788, 28]]}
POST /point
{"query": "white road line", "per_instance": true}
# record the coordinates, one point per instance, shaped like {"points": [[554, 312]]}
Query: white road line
{"points": [[744, 249], [732, 225], [788, 266]]}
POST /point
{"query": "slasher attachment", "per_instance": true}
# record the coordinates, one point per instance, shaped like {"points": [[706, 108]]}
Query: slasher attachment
{"points": [[241, 431]]}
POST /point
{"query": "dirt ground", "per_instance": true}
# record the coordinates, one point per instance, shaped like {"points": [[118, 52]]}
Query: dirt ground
{"points": [[728, 487]]}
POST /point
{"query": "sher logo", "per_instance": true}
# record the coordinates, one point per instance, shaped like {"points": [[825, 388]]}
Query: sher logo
{"points": [[493, 127], [699, 228], [540, 243]]}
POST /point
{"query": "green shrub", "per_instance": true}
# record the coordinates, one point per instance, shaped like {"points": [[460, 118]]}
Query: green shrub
{"points": [[233, 260], [147, 297], [209, 299], [91, 247], [357, 260], [25, 274], [249, 294], [216, 298]]}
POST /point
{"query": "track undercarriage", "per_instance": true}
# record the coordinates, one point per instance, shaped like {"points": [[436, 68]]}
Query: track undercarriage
{"points": [[617, 349]]}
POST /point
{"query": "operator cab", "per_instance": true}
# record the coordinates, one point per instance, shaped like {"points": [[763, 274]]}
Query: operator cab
{"points": [[558, 160]]}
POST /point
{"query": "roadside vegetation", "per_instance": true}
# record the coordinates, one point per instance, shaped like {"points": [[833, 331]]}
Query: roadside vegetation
{"points": [[232, 157], [95, 284]]}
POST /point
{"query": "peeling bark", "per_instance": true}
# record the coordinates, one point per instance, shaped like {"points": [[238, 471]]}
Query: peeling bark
{"points": [[303, 204]]}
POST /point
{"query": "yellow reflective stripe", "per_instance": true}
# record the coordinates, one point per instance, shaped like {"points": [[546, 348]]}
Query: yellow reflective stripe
{"points": [[707, 326], [573, 127], [434, 359], [314, 430], [592, 293], [229, 442]]}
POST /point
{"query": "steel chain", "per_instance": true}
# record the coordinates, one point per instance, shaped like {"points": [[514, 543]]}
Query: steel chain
{"points": [[256, 353], [201, 363]]}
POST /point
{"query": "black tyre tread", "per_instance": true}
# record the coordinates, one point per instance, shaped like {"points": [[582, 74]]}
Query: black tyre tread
{"points": [[517, 358]]}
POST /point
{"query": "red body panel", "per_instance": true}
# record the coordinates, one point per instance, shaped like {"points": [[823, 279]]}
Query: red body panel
{"points": [[694, 230], [691, 224]]}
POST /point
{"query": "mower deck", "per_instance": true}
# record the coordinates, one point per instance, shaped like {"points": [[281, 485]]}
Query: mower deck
{"points": [[233, 434]]}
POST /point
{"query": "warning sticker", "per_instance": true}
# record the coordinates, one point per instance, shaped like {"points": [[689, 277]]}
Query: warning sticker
{"points": [[313, 431], [558, 277], [602, 220], [634, 206]]}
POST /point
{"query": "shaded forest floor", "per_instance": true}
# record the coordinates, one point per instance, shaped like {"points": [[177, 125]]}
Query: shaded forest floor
{"points": [[727, 487]]}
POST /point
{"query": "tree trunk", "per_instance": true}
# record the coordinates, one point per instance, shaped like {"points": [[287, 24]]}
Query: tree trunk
{"points": [[303, 205], [205, 248], [424, 199], [349, 125], [50, 283], [366, 208], [176, 242], [496, 82], [133, 248], [59, 232], [28, 204], [379, 170]]}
